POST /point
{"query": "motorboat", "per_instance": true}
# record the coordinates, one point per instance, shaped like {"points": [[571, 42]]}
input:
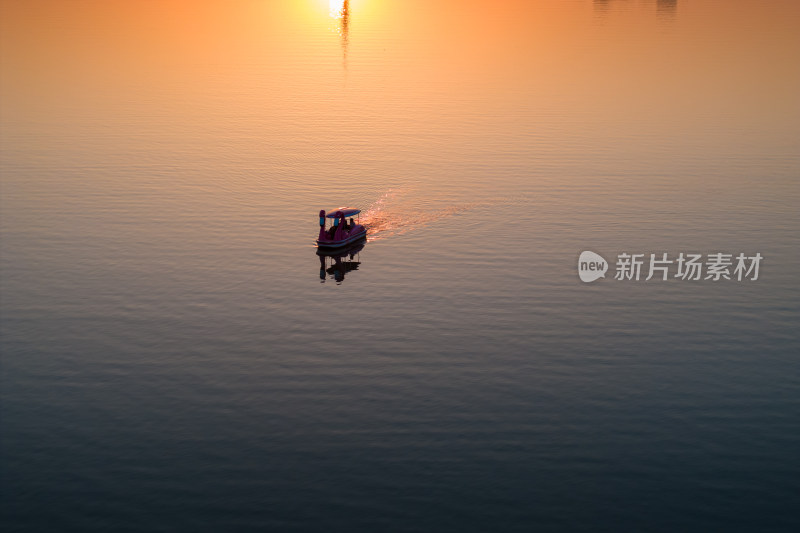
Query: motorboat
{"points": [[344, 230]]}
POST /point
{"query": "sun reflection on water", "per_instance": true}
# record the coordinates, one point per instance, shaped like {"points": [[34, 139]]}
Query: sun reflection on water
{"points": [[340, 11], [337, 8]]}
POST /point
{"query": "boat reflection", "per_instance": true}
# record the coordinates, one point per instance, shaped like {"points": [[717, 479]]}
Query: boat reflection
{"points": [[334, 264]]}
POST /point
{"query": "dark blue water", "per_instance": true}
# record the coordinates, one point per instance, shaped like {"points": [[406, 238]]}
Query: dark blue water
{"points": [[174, 359]]}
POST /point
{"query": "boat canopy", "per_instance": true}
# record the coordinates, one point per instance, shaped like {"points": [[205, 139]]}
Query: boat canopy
{"points": [[347, 211]]}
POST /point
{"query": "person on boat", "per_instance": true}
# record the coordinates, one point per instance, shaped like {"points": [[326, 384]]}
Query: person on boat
{"points": [[332, 231], [339, 227]]}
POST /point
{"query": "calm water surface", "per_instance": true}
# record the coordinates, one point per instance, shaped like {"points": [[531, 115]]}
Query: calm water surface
{"points": [[175, 359]]}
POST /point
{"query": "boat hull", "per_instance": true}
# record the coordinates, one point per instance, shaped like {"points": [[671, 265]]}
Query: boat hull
{"points": [[344, 242]]}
